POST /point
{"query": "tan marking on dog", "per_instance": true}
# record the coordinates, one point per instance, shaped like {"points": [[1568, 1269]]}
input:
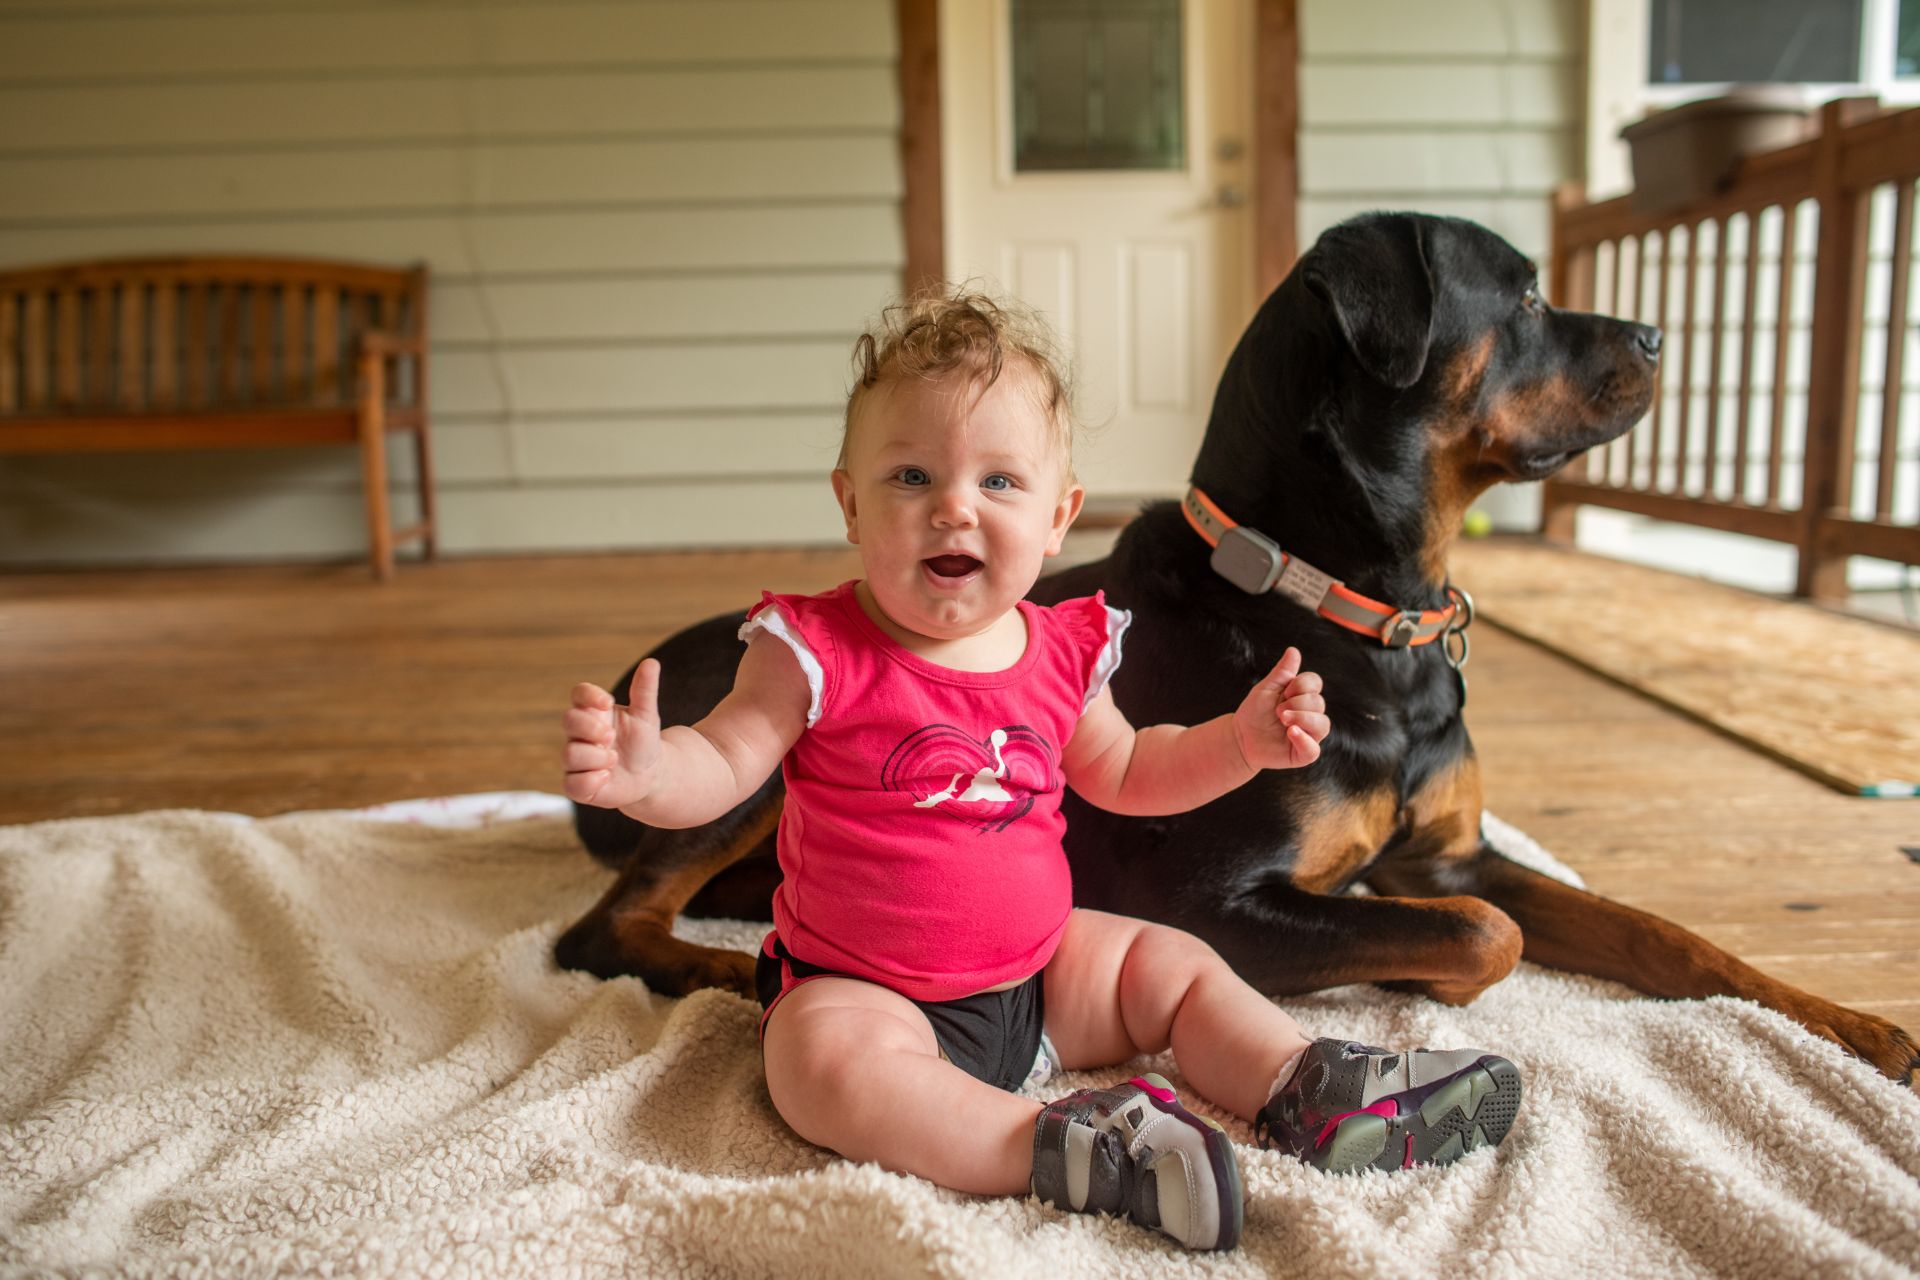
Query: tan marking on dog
{"points": [[1479, 450], [1443, 816], [1463, 380], [1339, 835]]}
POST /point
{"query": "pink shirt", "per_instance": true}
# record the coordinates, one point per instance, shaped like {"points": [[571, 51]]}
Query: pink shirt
{"points": [[920, 843]]}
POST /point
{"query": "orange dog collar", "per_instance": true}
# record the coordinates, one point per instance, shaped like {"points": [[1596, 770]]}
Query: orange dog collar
{"points": [[1255, 563]]}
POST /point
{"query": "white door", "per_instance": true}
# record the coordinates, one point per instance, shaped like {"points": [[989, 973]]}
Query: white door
{"points": [[1121, 210]]}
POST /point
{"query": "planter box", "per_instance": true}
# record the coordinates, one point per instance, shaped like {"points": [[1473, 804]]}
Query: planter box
{"points": [[1690, 152]]}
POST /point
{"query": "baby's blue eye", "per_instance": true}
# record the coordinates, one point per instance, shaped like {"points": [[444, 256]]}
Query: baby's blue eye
{"points": [[913, 475], [998, 483]]}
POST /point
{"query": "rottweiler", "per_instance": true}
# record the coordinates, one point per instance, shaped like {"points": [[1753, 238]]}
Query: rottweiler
{"points": [[1405, 365]]}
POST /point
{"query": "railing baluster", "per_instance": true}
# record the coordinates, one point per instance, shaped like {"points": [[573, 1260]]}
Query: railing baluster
{"points": [[1892, 389], [1619, 451], [1743, 404], [1709, 480], [1660, 380], [1782, 336], [1685, 360]]}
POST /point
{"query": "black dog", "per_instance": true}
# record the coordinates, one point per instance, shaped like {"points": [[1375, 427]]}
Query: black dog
{"points": [[1406, 365]]}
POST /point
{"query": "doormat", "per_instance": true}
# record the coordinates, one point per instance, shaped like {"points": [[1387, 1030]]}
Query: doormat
{"points": [[1837, 698]]}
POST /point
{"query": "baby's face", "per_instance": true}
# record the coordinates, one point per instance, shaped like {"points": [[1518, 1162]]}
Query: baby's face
{"points": [[955, 499]]}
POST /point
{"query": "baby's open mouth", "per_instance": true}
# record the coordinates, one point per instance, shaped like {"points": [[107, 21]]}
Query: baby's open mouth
{"points": [[952, 566]]}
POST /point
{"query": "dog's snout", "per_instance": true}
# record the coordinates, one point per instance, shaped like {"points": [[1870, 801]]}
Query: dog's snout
{"points": [[1648, 339]]}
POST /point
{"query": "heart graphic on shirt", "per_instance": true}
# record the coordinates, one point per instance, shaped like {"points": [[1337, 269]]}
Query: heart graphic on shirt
{"points": [[985, 783]]}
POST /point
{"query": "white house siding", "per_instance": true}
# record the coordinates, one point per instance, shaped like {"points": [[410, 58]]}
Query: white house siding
{"points": [[655, 227], [1471, 108]]}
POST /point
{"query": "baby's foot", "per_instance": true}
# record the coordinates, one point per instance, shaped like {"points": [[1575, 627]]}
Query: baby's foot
{"points": [[1350, 1106], [1134, 1149]]}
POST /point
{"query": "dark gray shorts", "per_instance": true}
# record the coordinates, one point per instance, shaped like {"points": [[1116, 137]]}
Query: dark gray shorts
{"points": [[993, 1036]]}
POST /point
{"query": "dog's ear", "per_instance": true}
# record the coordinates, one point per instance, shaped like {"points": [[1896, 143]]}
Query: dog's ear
{"points": [[1372, 274]]}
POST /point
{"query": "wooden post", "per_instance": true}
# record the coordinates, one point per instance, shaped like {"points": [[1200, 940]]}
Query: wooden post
{"points": [[1276, 132], [1833, 386], [918, 25], [422, 447], [373, 459]]}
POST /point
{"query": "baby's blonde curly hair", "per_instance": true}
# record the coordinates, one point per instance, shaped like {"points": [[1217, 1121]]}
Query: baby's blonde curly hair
{"points": [[947, 329]]}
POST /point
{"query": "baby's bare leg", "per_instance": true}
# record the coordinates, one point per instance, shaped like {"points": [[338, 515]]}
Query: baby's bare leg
{"points": [[854, 1068], [1119, 987]]}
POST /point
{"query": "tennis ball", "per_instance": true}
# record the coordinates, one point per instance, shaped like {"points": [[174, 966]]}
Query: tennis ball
{"points": [[1478, 524]]}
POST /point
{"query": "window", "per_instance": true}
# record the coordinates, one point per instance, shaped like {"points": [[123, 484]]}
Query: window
{"points": [[1698, 48], [1097, 85], [1753, 41]]}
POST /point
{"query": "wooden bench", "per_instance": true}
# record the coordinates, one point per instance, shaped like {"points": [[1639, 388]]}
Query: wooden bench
{"points": [[213, 353]]}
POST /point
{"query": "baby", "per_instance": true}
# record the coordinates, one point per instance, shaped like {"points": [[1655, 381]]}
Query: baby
{"points": [[926, 961]]}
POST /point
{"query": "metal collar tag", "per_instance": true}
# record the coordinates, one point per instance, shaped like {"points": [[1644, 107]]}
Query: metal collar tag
{"points": [[1249, 559]]}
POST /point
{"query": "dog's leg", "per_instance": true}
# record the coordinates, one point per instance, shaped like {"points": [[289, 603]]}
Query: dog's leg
{"points": [[744, 891], [630, 930], [1286, 941], [1581, 932]]}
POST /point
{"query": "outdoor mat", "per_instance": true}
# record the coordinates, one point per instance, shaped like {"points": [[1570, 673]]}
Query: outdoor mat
{"points": [[1835, 697], [321, 1044]]}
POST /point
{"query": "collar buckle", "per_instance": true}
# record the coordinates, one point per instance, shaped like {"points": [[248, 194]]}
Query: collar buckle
{"points": [[1398, 631]]}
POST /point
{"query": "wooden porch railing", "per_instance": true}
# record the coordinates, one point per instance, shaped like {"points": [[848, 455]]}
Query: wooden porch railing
{"points": [[1762, 423]]}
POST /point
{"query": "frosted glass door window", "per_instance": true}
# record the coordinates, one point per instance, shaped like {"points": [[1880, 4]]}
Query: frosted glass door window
{"points": [[1097, 85]]}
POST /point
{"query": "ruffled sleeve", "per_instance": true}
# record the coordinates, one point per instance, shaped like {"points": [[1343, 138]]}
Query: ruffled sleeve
{"points": [[1098, 630], [781, 618]]}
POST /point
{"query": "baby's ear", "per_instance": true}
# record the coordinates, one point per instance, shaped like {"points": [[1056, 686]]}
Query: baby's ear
{"points": [[843, 494], [1064, 514]]}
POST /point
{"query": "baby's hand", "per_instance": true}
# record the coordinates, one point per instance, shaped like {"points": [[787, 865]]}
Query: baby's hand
{"points": [[1283, 721], [612, 754]]}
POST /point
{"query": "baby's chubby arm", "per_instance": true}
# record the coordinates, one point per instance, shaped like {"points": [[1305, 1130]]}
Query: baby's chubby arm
{"points": [[1168, 768], [620, 758]]}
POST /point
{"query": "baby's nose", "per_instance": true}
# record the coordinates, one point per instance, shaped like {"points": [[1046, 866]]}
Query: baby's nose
{"points": [[955, 509]]}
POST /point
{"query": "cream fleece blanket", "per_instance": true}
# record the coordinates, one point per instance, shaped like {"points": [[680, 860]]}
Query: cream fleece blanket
{"points": [[323, 1044]]}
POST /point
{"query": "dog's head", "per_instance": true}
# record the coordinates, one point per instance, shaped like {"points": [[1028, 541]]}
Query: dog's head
{"points": [[1409, 362]]}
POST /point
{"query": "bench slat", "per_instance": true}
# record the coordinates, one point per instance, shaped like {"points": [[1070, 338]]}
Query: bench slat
{"points": [[10, 353], [166, 350], [295, 356], [263, 343], [66, 350], [193, 385], [326, 345], [97, 351], [133, 353], [228, 342], [35, 373]]}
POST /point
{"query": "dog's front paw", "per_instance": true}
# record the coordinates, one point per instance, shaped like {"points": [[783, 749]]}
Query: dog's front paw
{"points": [[1446, 992], [1890, 1050], [652, 954]]}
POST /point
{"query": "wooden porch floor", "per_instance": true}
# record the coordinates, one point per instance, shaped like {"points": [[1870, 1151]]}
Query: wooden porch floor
{"points": [[263, 690]]}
